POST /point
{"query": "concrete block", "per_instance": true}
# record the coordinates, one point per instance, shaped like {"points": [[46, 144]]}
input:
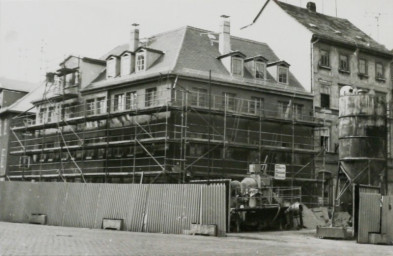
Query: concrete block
{"points": [[375, 238], [37, 218], [204, 229], [114, 224]]}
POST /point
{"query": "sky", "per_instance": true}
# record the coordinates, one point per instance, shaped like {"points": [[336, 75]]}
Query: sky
{"points": [[36, 35]]}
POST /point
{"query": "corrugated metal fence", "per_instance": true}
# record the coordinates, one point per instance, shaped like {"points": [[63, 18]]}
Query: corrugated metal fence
{"points": [[166, 208]]}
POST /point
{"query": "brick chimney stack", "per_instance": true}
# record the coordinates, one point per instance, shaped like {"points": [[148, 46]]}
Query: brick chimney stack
{"points": [[225, 35]]}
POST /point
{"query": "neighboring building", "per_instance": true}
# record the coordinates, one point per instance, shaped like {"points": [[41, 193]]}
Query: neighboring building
{"points": [[147, 117], [10, 92], [326, 53]]}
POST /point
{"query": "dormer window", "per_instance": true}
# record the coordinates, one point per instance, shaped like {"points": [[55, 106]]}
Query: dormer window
{"points": [[125, 64], [283, 75], [260, 70], [237, 66], [111, 67], [140, 61]]}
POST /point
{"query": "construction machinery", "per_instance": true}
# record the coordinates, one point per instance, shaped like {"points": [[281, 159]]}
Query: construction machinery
{"points": [[257, 205]]}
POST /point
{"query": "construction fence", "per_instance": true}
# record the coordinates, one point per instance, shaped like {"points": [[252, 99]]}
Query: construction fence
{"points": [[155, 208]]}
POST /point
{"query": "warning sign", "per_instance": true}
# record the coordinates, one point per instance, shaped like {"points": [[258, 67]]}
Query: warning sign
{"points": [[280, 171]]}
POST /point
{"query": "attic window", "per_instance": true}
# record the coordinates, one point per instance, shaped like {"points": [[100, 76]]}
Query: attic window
{"points": [[111, 67], [237, 66], [125, 64], [312, 25], [260, 70], [283, 75], [140, 61]]}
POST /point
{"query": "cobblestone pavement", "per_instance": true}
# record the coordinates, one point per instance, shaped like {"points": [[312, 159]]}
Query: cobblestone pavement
{"points": [[27, 239]]}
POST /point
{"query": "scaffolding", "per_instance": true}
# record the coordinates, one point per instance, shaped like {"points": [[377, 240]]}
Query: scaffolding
{"points": [[169, 135]]}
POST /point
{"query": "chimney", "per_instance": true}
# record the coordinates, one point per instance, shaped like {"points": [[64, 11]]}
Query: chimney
{"points": [[134, 37], [225, 35], [311, 7]]}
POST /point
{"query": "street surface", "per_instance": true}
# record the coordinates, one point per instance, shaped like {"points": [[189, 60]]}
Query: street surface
{"points": [[28, 239]]}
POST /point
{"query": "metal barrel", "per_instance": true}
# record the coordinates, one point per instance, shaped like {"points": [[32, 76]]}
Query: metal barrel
{"points": [[362, 136]]}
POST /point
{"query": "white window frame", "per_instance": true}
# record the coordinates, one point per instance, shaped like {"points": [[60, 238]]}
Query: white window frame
{"points": [[125, 64], [235, 60], [140, 66], [118, 104], [101, 105], [263, 66], [286, 74], [152, 99], [199, 97], [111, 67], [131, 100]]}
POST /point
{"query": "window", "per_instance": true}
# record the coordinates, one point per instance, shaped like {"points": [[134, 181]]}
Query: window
{"points": [[379, 74], [325, 100], [101, 105], [140, 62], [90, 107], [118, 103], [325, 59], [90, 154], [229, 101], [51, 114], [41, 115], [150, 97], [237, 66], [298, 111], [111, 68], [101, 153], [71, 111], [131, 100], [362, 67], [24, 161], [256, 105], [199, 97], [282, 75], [69, 80], [125, 68], [260, 70], [344, 65], [325, 140], [283, 109]]}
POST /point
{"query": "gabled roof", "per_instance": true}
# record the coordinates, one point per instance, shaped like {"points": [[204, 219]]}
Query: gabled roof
{"points": [[24, 104], [234, 53], [190, 52], [332, 28], [257, 58], [15, 85], [148, 49], [278, 63]]}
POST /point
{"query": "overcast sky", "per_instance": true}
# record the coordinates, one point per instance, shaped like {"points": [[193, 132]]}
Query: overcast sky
{"points": [[36, 34]]}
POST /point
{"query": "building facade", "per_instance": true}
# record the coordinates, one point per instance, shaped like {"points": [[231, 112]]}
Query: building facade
{"points": [[185, 104], [330, 53], [11, 91]]}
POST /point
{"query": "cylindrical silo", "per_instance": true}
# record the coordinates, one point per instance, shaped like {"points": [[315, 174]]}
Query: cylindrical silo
{"points": [[362, 136]]}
